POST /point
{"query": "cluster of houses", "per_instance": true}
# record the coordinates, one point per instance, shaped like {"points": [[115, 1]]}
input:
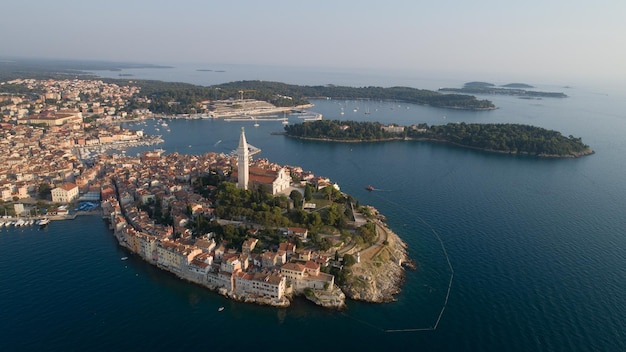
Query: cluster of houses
{"points": [[55, 102], [30, 156], [267, 277]]}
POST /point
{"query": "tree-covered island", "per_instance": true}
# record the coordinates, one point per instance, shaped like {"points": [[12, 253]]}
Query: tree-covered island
{"points": [[502, 138], [189, 98], [515, 89], [261, 89]]}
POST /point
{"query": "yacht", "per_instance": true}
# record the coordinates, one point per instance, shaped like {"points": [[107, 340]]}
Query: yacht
{"points": [[43, 222]]}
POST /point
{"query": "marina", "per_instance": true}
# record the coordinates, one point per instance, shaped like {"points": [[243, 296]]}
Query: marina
{"points": [[23, 222]]}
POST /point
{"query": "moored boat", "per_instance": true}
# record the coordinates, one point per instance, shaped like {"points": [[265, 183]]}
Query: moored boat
{"points": [[43, 222]]}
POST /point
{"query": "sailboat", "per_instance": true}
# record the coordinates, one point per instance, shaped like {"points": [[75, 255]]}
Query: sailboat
{"points": [[285, 122]]}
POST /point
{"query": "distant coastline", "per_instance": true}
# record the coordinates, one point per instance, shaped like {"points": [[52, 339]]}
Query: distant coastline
{"points": [[514, 89]]}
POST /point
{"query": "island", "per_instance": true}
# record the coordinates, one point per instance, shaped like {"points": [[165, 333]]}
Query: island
{"points": [[515, 89], [517, 85], [515, 139]]}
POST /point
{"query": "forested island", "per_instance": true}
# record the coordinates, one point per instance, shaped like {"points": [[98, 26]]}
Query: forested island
{"points": [[184, 98], [256, 90], [502, 138], [515, 89], [189, 96]]}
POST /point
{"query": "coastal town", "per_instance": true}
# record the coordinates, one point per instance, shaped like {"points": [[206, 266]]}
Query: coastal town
{"points": [[47, 144]]}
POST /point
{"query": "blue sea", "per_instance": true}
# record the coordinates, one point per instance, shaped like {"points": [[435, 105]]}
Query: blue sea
{"points": [[533, 251]]}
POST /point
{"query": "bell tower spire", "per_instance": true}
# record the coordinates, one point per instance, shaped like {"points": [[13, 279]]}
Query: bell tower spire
{"points": [[243, 158]]}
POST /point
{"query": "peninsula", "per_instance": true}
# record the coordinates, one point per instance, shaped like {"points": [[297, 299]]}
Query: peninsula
{"points": [[252, 230], [500, 138]]}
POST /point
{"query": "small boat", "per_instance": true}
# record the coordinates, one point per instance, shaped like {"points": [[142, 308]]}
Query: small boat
{"points": [[220, 309], [124, 258], [369, 188]]}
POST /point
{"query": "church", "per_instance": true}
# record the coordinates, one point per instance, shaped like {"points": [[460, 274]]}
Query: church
{"points": [[275, 181]]}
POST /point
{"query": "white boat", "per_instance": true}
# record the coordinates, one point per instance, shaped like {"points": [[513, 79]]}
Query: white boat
{"points": [[20, 222], [43, 222], [124, 258], [220, 309]]}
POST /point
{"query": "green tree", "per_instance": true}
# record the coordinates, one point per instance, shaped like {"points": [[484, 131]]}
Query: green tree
{"points": [[308, 192], [328, 192], [348, 260], [44, 190], [296, 197], [315, 220]]}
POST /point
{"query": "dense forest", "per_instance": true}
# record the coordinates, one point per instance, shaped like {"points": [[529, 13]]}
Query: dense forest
{"points": [[505, 138]]}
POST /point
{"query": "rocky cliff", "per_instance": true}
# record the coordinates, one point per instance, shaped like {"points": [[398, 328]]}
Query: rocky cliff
{"points": [[380, 272]]}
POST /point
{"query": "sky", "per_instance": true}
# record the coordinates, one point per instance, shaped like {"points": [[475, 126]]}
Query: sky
{"points": [[552, 38]]}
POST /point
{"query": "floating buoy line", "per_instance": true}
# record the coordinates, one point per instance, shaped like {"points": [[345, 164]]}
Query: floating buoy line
{"points": [[445, 302]]}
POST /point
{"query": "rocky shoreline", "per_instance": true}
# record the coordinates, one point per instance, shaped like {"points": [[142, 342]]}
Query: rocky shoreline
{"points": [[380, 276]]}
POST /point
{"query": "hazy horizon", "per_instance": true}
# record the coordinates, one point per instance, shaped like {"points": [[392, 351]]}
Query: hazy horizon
{"points": [[556, 41]]}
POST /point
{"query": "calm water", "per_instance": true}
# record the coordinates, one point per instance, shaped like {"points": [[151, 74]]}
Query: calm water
{"points": [[537, 246]]}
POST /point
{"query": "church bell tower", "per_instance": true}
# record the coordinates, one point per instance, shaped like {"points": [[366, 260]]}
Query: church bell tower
{"points": [[243, 158]]}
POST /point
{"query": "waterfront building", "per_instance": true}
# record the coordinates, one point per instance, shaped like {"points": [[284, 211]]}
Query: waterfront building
{"points": [[65, 193], [307, 275], [261, 284]]}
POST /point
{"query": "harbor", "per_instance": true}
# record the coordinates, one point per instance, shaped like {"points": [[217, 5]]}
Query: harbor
{"points": [[23, 222]]}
